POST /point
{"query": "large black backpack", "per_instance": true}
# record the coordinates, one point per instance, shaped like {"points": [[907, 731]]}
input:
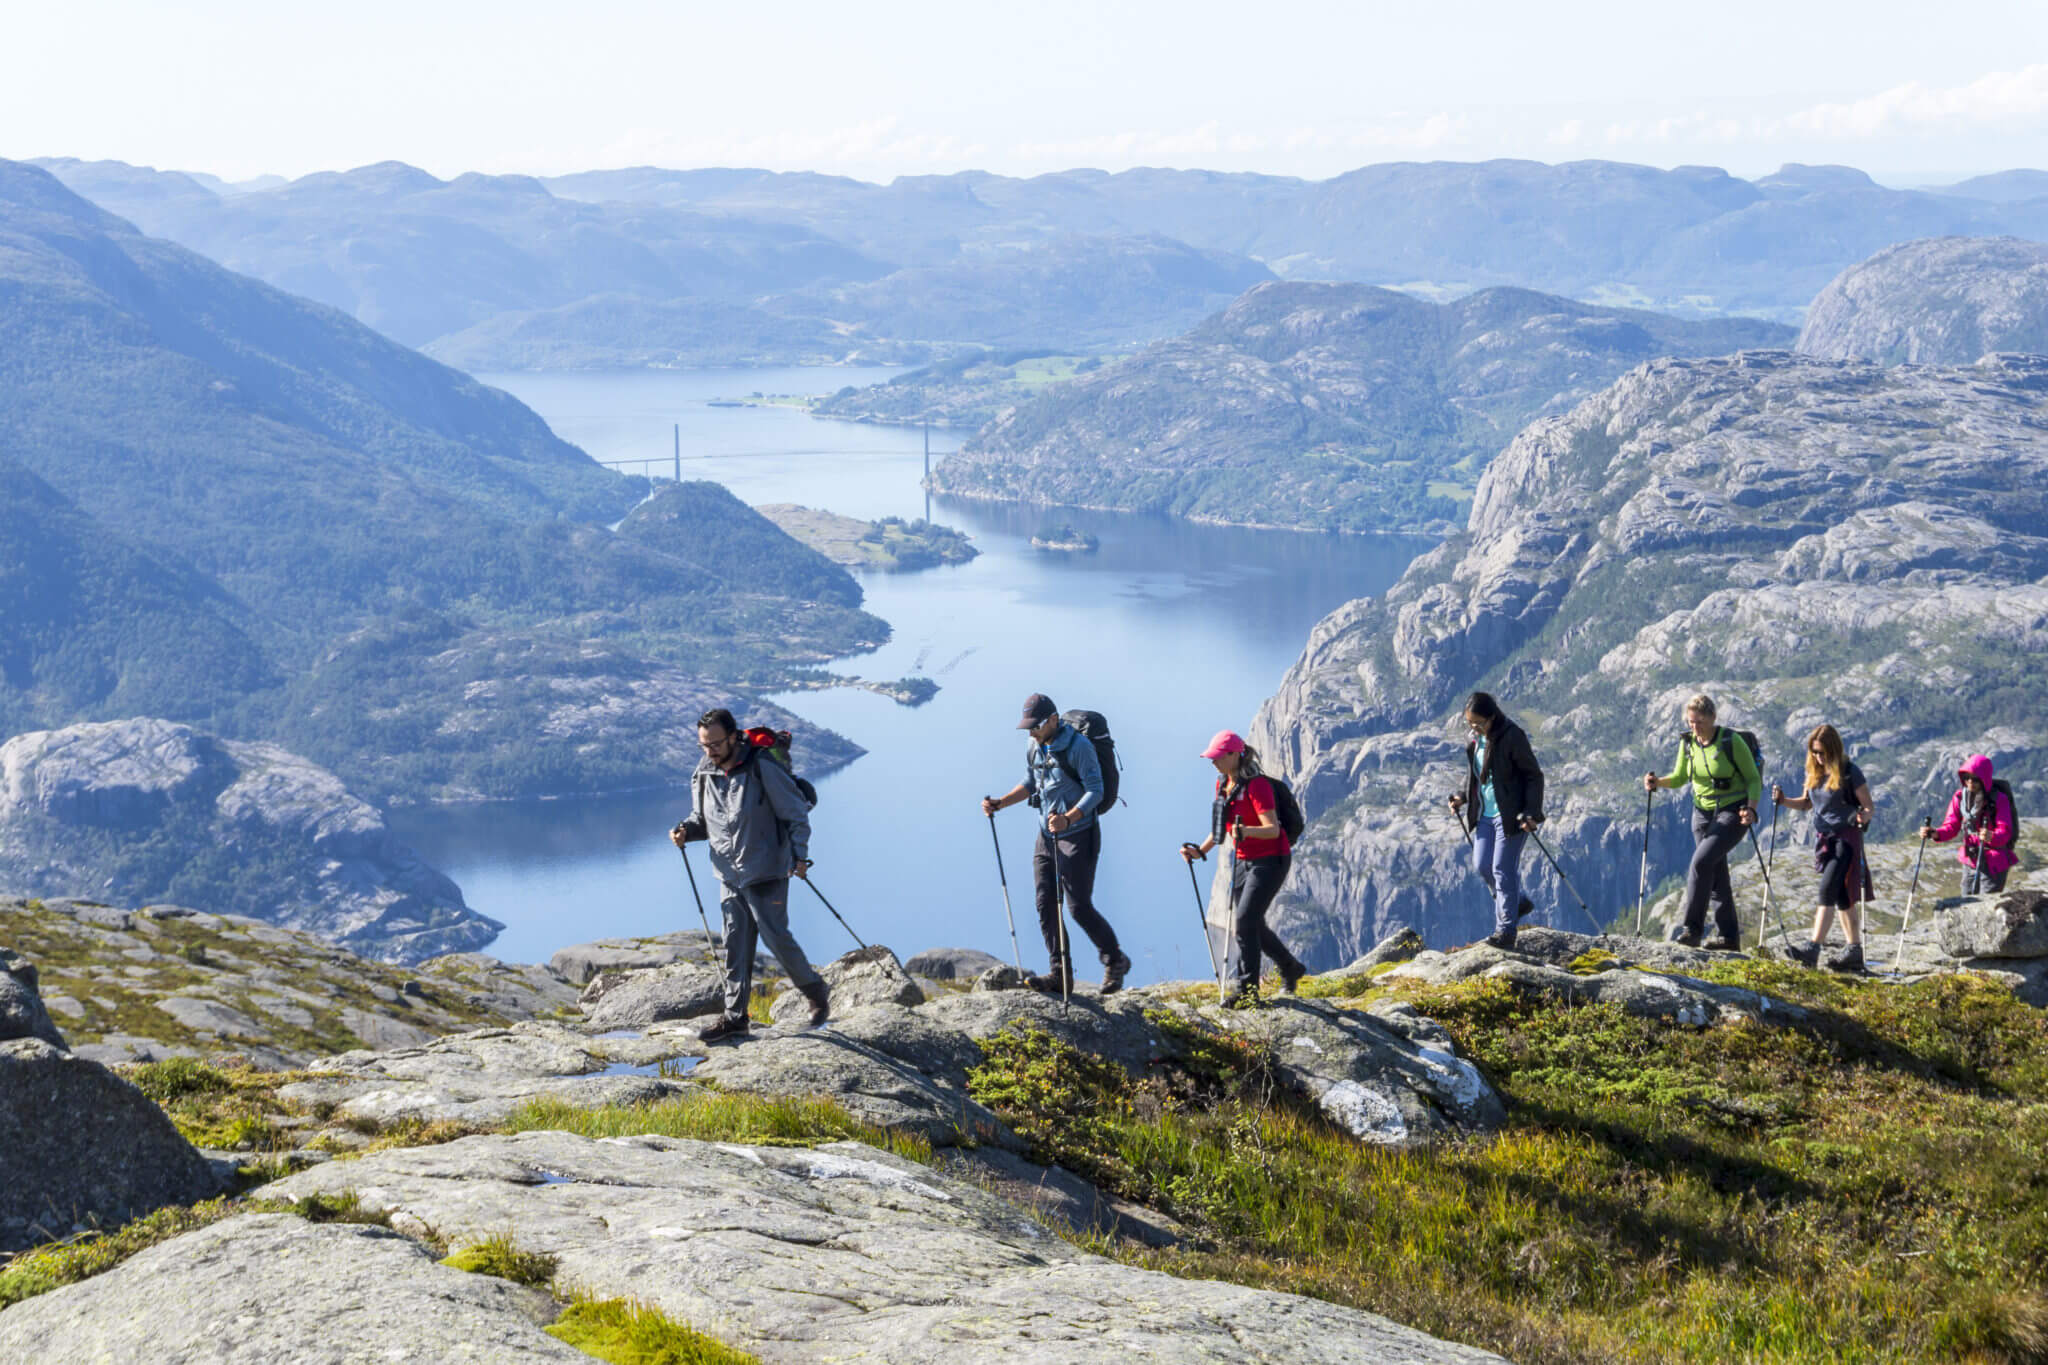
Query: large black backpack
{"points": [[1999, 784], [1095, 730], [1287, 808]]}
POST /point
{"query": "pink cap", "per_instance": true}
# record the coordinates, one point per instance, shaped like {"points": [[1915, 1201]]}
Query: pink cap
{"points": [[1226, 742]]}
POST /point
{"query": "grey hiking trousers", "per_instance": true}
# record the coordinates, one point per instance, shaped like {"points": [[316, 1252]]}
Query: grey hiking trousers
{"points": [[759, 914]]}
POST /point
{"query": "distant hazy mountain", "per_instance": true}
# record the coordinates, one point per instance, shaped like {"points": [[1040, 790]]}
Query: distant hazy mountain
{"points": [[2005, 187], [1945, 301], [93, 624], [1335, 407], [227, 504], [1692, 240], [418, 258]]}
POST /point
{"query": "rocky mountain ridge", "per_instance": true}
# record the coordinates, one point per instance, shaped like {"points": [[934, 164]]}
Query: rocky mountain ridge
{"points": [[1942, 301], [1319, 406], [1805, 540]]}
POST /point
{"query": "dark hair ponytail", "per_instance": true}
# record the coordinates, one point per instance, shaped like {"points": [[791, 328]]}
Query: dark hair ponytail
{"points": [[1483, 706]]}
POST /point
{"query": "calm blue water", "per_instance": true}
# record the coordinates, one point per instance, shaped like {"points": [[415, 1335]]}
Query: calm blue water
{"points": [[1173, 631]]}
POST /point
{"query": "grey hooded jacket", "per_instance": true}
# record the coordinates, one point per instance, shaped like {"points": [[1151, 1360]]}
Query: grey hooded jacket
{"points": [[754, 817]]}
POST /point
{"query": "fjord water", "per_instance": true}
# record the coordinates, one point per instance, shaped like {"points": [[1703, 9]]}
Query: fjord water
{"points": [[1171, 630]]}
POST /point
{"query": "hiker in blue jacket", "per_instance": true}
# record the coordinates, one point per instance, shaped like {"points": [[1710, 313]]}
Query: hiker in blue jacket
{"points": [[1063, 778]]}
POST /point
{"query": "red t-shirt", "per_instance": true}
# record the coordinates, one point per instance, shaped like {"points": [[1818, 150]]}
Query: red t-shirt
{"points": [[1249, 807]]}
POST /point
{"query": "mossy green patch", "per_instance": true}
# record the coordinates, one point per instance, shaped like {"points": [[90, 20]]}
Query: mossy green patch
{"points": [[80, 1258], [497, 1255], [719, 1116], [628, 1333]]}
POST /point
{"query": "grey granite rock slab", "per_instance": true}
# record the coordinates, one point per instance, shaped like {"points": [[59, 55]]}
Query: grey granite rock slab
{"points": [[23, 1013], [270, 1289], [865, 976], [679, 990], [840, 1253]]}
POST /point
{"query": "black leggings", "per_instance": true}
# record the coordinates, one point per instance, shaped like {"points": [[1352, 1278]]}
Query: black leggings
{"points": [[1716, 834], [1254, 882]]}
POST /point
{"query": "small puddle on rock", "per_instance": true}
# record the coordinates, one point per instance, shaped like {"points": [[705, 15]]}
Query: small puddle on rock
{"points": [[677, 1066], [550, 1178], [620, 1033]]}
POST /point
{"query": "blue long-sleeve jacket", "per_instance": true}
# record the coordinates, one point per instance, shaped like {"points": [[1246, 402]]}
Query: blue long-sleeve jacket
{"points": [[1056, 790]]}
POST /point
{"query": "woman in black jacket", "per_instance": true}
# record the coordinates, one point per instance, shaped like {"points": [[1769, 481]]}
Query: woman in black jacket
{"points": [[1504, 792]]}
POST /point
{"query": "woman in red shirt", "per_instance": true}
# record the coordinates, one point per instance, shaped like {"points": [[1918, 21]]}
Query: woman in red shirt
{"points": [[1244, 813]]}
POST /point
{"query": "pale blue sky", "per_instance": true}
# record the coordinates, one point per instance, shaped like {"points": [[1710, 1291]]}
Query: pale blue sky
{"points": [[1907, 91]]}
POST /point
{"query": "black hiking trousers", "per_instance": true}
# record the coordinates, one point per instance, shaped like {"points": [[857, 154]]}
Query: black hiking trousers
{"points": [[1254, 882], [1716, 834], [1079, 853]]}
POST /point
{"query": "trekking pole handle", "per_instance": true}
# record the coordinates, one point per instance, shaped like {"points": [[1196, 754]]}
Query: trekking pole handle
{"points": [[1194, 848]]}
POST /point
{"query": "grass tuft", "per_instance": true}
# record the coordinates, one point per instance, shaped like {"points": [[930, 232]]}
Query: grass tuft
{"points": [[57, 1264], [628, 1333], [718, 1116], [497, 1255]]}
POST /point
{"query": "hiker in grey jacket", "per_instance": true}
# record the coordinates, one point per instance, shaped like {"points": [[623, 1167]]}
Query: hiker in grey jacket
{"points": [[746, 806], [1063, 778]]}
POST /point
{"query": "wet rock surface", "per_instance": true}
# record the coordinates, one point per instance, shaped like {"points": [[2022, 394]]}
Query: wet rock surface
{"points": [[838, 1252]]}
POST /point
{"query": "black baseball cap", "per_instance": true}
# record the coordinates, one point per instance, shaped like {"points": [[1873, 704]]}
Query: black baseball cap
{"points": [[1038, 709]]}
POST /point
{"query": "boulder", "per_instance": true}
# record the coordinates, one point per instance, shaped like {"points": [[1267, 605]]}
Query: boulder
{"points": [[1002, 977], [1380, 1084], [952, 964], [22, 1014], [580, 962], [2013, 925], [1399, 945], [682, 990], [83, 1148], [271, 1287], [886, 1064], [839, 1252], [865, 976], [1651, 995]]}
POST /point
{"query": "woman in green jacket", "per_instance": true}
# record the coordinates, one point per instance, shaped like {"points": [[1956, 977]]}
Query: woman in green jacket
{"points": [[1717, 764]]}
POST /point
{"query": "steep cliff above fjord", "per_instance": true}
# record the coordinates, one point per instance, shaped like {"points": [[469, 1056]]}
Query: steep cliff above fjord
{"points": [[1805, 540]]}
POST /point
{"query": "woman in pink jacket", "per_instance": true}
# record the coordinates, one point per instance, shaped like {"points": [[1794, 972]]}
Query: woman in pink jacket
{"points": [[1981, 811]]}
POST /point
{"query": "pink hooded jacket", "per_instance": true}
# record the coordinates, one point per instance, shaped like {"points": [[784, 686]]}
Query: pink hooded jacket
{"points": [[1998, 854]]}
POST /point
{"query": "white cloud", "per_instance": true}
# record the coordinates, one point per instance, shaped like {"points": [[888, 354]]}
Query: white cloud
{"points": [[1566, 134], [1989, 100]]}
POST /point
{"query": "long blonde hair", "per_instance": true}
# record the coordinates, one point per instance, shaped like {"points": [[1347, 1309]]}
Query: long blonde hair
{"points": [[1832, 764]]}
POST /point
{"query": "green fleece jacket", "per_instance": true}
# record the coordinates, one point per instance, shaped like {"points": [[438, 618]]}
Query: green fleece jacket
{"points": [[1715, 771]]}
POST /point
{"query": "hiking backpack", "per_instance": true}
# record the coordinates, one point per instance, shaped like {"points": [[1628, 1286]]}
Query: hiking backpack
{"points": [[1287, 808], [1998, 785], [1093, 728], [773, 745], [1726, 740]]}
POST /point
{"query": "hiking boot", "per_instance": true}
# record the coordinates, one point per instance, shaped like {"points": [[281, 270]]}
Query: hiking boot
{"points": [[1113, 972], [1523, 908], [1850, 959], [821, 1008], [1723, 945], [1290, 977], [1504, 939], [1050, 983], [1805, 954], [726, 1030], [1687, 938], [1243, 998]]}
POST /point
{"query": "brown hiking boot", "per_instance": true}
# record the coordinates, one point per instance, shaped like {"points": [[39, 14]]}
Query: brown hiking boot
{"points": [[726, 1030], [1050, 983], [821, 1004], [1114, 971]]}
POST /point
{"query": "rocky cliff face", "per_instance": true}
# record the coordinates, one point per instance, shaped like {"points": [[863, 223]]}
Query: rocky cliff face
{"points": [[1805, 540], [142, 810], [1320, 406], [1940, 301]]}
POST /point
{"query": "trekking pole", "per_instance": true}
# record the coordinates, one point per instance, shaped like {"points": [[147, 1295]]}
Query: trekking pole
{"points": [[1900, 955], [1202, 910], [1059, 910], [835, 913], [1983, 840], [1643, 877], [1554, 867], [702, 918], [1767, 861], [1784, 937], [1230, 943], [1015, 952]]}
